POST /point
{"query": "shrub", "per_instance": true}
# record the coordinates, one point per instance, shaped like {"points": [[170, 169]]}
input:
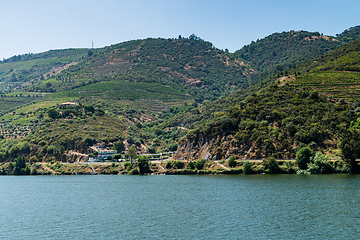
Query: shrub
{"points": [[190, 165], [151, 149], [168, 165], [319, 164], [143, 164], [177, 164], [303, 157], [232, 161], [247, 167], [34, 171], [271, 165], [127, 166], [288, 167], [135, 171], [173, 147], [33, 159], [199, 164]]}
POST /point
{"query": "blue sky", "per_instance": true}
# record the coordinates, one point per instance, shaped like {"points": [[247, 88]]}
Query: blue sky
{"points": [[40, 25]]}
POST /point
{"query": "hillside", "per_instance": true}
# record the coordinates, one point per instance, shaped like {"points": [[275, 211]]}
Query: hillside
{"points": [[281, 51], [19, 71], [157, 94], [154, 74], [192, 66], [275, 121], [278, 120], [336, 74], [289, 48]]}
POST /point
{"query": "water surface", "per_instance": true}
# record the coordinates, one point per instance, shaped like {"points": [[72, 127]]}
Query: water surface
{"points": [[180, 207]]}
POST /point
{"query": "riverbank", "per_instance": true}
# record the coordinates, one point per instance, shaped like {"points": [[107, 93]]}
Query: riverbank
{"points": [[174, 167]]}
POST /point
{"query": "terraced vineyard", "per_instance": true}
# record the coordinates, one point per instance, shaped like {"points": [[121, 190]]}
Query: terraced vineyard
{"points": [[336, 84]]}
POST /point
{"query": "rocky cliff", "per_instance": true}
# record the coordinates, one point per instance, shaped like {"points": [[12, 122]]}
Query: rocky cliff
{"points": [[212, 148]]}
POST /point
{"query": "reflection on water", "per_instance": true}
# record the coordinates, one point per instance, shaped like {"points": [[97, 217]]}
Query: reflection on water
{"points": [[180, 207]]}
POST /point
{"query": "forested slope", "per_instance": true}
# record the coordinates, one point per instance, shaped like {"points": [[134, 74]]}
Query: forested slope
{"points": [[311, 108], [280, 52], [150, 93], [275, 121], [336, 74]]}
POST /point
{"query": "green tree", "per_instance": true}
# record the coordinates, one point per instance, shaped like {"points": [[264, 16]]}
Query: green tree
{"points": [[20, 166], [151, 149], [190, 165], [350, 148], [303, 157], [10, 168], [127, 166], [143, 164], [199, 164], [319, 164], [247, 167], [168, 165], [177, 164], [271, 165], [132, 153], [232, 161], [118, 146], [52, 113]]}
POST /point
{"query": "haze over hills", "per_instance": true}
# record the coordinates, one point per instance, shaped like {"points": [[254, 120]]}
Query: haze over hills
{"points": [[158, 90]]}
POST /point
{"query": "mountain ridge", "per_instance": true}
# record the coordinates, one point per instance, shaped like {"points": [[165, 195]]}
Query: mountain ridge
{"points": [[159, 90]]}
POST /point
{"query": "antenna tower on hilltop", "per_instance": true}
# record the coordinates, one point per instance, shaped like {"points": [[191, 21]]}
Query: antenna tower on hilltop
{"points": [[92, 44]]}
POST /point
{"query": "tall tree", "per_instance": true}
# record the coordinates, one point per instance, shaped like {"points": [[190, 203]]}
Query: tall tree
{"points": [[143, 164], [350, 147], [132, 153]]}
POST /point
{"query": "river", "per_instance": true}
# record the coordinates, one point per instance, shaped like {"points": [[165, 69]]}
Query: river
{"points": [[180, 207]]}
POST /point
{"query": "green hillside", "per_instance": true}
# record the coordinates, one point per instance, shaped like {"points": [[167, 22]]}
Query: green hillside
{"points": [[19, 71], [275, 121], [158, 94], [278, 120], [336, 74], [287, 48], [280, 52], [190, 65], [349, 34]]}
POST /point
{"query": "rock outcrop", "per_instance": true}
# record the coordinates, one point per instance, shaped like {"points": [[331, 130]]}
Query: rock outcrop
{"points": [[218, 148]]}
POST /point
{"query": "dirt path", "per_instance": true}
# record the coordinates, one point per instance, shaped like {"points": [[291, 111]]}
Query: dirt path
{"points": [[159, 165], [94, 172], [223, 166], [77, 153]]}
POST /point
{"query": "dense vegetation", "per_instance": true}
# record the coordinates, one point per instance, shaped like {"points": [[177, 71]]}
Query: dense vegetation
{"points": [[280, 52], [190, 65], [336, 74], [155, 95], [19, 71], [276, 121]]}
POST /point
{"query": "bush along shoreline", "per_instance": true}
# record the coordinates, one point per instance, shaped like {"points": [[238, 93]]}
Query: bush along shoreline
{"points": [[306, 162]]}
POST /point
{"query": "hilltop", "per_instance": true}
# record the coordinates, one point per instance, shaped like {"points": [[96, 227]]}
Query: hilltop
{"points": [[280, 52]]}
